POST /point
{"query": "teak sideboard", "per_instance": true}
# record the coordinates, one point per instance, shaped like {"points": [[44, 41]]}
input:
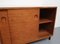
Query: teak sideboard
{"points": [[26, 25]]}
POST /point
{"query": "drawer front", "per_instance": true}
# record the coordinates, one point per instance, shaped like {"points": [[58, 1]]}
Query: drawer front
{"points": [[23, 25]]}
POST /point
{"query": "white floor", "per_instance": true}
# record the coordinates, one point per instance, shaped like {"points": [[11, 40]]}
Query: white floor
{"points": [[54, 40]]}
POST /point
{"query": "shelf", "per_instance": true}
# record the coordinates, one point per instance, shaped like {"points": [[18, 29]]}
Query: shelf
{"points": [[45, 21], [44, 33]]}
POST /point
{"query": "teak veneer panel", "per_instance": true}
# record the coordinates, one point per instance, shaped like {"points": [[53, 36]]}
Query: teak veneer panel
{"points": [[4, 28], [23, 25]]}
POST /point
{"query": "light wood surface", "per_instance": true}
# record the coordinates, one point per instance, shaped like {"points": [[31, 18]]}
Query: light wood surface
{"points": [[45, 21], [4, 28], [23, 25]]}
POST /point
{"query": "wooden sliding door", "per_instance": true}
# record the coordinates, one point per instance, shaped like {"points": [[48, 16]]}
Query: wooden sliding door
{"points": [[4, 28], [23, 25]]}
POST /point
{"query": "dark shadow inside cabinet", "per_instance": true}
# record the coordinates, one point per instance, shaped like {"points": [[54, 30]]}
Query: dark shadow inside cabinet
{"points": [[47, 13], [47, 20]]}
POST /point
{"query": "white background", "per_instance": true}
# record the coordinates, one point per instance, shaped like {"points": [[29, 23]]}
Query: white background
{"points": [[33, 3]]}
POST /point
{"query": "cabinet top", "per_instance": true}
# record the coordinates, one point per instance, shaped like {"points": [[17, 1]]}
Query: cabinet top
{"points": [[23, 7]]}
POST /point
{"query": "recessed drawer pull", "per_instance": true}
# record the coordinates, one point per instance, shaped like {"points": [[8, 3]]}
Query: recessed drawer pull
{"points": [[3, 19], [36, 16]]}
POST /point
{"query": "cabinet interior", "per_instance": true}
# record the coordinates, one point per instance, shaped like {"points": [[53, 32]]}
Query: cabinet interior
{"points": [[47, 20]]}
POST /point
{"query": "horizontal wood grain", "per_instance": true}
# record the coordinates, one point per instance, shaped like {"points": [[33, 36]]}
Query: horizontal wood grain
{"points": [[4, 28], [22, 25], [44, 33]]}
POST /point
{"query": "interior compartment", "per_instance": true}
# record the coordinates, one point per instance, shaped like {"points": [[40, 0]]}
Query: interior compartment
{"points": [[47, 13], [45, 26]]}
